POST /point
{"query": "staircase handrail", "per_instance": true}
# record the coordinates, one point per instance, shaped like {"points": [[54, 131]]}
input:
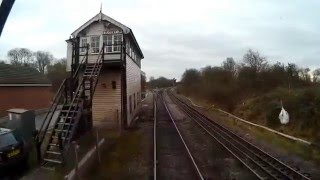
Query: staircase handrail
{"points": [[74, 97], [55, 102], [52, 109], [80, 91], [84, 59]]}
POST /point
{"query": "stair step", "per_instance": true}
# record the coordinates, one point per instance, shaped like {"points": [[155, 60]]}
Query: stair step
{"points": [[59, 130], [65, 117], [88, 75], [53, 160], [68, 110], [56, 137], [61, 123], [53, 144], [53, 152]]}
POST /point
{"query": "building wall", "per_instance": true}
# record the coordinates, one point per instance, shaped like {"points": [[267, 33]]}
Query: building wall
{"points": [[95, 28], [30, 98], [133, 89], [106, 100]]}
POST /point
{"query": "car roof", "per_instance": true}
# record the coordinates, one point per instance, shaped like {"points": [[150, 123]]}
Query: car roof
{"points": [[4, 131]]}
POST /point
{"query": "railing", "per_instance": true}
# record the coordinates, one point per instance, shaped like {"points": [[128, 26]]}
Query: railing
{"points": [[80, 92], [60, 98]]}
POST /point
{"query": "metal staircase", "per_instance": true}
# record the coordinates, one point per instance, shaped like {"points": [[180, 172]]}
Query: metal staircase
{"points": [[72, 104]]}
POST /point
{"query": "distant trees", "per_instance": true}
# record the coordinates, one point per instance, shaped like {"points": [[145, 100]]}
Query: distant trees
{"points": [[254, 60], [161, 82], [25, 57], [229, 65], [20, 56], [316, 75], [57, 72], [43, 59], [233, 82]]}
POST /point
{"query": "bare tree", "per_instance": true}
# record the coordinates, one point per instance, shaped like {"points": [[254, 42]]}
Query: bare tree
{"points": [[43, 59], [229, 65], [254, 60], [304, 74], [20, 56], [316, 75]]}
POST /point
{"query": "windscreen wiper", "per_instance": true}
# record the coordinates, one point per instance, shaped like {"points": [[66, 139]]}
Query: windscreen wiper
{"points": [[5, 8]]}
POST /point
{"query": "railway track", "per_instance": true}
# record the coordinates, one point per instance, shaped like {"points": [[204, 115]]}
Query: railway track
{"points": [[172, 157], [263, 165]]}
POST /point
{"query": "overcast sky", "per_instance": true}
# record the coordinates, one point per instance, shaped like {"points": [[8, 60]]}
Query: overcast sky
{"points": [[177, 34]]}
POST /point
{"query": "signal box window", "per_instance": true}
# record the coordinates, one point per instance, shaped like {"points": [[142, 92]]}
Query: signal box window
{"points": [[95, 42]]}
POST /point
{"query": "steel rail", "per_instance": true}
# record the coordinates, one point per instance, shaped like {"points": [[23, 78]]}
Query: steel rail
{"points": [[274, 167], [182, 140]]}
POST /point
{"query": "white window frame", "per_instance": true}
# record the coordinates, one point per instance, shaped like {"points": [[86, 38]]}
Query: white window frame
{"points": [[91, 44], [117, 40], [82, 44], [114, 47], [107, 42]]}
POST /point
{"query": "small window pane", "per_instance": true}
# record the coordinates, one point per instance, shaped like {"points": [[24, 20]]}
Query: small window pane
{"points": [[95, 42], [83, 44], [107, 40], [117, 39]]}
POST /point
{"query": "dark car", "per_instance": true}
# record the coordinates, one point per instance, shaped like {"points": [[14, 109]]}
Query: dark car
{"points": [[12, 149]]}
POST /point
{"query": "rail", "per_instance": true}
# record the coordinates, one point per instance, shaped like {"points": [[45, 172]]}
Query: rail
{"points": [[258, 125], [255, 159], [190, 156]]}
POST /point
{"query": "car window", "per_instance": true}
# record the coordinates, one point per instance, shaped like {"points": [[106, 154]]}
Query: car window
{"points": [[7, 140]]}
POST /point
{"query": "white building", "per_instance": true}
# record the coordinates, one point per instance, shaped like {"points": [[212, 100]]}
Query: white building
{"points": [[116, 100]]}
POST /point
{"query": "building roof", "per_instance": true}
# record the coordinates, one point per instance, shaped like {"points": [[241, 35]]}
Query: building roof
{"points": [[100, 17], [11, 75]]}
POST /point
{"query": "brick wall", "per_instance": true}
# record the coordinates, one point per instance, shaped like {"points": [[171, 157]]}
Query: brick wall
{"points": [[24, 97]]}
